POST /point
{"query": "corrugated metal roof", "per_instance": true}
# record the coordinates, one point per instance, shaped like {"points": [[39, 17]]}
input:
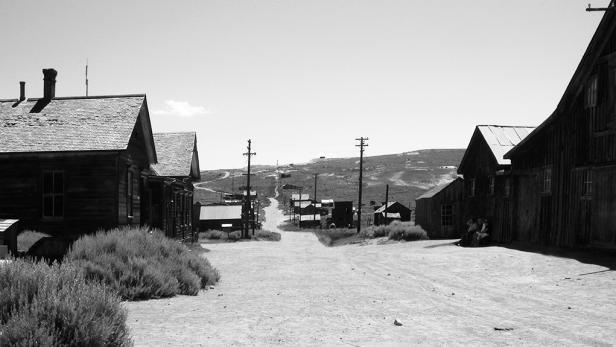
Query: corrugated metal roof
{"points": [[218, 212], [382, 208], [432, 192], [502, 139]]}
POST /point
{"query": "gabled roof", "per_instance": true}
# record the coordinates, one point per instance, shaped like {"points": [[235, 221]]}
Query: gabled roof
{"points": [[220, 212], [432, 192], [596, 46], [176, 153], [69, 124], [500, 139], [382, 208]]}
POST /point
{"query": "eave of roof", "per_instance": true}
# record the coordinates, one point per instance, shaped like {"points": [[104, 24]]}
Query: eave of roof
{"points": [[594, 49]]}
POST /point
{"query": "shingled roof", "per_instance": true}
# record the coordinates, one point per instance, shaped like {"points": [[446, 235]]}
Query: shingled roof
{"points": [[101, 123], [175, 154]]}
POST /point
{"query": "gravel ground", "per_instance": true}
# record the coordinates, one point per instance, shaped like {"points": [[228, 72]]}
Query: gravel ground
{"points": [[298, 292]]}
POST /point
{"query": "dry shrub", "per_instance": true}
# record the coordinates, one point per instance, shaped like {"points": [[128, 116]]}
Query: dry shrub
{"points": [[140, 264], [42, 305], [329, 236], [267, 235], [220, 235], [405, 231]]}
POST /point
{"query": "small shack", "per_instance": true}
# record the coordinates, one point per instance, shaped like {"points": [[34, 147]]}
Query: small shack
{"points": [[440, 210], [391, 211], [220, 217]]}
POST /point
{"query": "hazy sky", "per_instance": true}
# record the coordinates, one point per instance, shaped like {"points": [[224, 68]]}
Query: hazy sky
{"points": [[305, 78]]}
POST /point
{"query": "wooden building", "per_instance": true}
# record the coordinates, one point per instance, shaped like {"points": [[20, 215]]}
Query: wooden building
{"points": [[395, 211], [169, 191], [220, 217], [440, 211], [487, 177], [73, 165], [565, 170]]}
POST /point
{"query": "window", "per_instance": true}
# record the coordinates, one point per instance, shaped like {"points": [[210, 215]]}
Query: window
{"points": [[547, 179], [587, 189], [591, 92], [53, 194], [492, 182], [507, 187], [446, 215], [129, 194], [471, 187]]}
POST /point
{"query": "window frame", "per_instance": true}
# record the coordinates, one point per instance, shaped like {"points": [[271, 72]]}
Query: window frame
{"points": [[592, 92], [130, 195], [53, 194], [446, 217], [491, 185], [587, 183], [471, 188]]}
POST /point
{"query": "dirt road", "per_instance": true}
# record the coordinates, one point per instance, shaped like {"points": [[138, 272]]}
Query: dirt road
{"points": [[298, 292]]}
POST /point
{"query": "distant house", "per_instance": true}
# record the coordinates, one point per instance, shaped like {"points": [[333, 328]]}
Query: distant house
{"points": [[440, 211], [220, 217], [395, 211], [73, 165], [169, 191], [487, 176], [342, 214]]}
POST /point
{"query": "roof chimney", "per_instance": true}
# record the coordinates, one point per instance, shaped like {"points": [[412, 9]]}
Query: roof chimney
{"points": [[49, 86], [22, 90]]}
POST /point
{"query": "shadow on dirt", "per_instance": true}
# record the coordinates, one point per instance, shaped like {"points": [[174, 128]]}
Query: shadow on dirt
{"points": [[595, 256]]}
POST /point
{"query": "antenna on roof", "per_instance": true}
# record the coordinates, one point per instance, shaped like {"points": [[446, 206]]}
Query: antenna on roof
{"points": [[609, 7], [86, 77]]}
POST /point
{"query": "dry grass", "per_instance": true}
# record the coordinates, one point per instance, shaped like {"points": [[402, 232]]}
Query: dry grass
{"points": [[266, 235], [42, 305], [397, 231]]}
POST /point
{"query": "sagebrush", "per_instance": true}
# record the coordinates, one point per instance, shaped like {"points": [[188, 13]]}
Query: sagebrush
{"points": [[43, 305], [141, 264], [220, 235], [267, 235]]}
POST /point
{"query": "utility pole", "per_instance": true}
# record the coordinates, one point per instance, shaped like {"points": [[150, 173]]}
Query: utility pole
{"points": [[86, 77], [248, 203], [386, 202], [361, 146], [609, 7], [314, 213]]}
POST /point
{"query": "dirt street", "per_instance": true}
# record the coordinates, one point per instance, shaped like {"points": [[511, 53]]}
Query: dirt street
{"points": [[298, 292]]}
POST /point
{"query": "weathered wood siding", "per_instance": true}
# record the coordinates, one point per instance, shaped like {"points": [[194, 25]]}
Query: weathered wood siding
{"points": [[428, 212], [578, 141], [89, 192]]}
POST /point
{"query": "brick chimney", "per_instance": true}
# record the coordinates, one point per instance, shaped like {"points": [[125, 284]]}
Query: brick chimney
{"points": [[22, 91], [49, 86]]}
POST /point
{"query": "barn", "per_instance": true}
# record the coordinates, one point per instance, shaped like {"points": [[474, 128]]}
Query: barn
{"points": [[440, 211], [73, 165], [169, 191], [565, 170], [391, 211], [487, 177]]}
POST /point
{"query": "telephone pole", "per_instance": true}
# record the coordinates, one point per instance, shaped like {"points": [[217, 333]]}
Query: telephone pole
{"points": [[314, 215], [362, 144], [86, 77], [248, 204], [386, 202], [609, 7]]}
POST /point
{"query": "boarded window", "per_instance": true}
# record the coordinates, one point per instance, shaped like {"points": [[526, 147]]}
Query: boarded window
{"points": [[446, 215], [591, 92], [53, 194], [547, 179], [129, 194]]}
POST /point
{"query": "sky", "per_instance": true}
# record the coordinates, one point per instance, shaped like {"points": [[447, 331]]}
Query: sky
{"points": [[305, 78]]}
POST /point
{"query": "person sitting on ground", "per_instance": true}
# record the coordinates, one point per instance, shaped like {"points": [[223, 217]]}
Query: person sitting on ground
{"points": [[482, 236], [467, 237]]}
